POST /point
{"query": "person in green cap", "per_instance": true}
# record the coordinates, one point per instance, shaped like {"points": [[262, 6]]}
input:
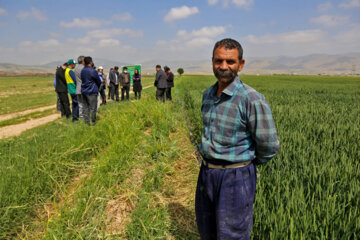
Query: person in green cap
{"points": [[71, 85]]}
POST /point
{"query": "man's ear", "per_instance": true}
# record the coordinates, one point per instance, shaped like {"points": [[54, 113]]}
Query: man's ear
{"points": [[242, 63]]}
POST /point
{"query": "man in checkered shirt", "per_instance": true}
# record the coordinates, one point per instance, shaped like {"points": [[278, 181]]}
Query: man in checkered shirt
{"points": [[239, 133]]}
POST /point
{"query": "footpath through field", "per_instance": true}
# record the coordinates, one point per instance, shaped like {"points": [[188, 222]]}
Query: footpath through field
{"points": [[17, 114], [17, 129]]}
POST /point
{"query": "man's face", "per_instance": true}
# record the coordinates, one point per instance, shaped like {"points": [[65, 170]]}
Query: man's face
{"points": [[226, 64], [100, 70], [72, 65], [157, 69]]}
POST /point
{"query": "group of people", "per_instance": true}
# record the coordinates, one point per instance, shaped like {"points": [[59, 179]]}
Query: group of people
{"points": [[84, 84], [164, 81], [116, 79]]}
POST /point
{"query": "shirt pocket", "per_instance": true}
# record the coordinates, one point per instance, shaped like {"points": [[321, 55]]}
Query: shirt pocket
{"points": [[226, 127]]}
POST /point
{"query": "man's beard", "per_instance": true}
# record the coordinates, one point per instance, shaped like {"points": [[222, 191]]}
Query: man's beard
{"points": [[225, 76]]}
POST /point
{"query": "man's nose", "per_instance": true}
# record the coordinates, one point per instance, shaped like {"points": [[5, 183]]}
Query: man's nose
{"points": [[223, 65]]}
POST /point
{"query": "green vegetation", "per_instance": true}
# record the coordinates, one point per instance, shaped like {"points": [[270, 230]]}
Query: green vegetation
{"points": [[23, 93], [77, 171], [133, 175]]}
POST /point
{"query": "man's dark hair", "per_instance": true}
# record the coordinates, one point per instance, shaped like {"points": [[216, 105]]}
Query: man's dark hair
{"points": [[116, 67], [65, 64], [124, 68], [229, 43], [87, 60], [158, 66]]}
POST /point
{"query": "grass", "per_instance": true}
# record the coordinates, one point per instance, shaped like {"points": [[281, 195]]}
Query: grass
{"points": [[133, 175], [23, 93], [53, 156]]}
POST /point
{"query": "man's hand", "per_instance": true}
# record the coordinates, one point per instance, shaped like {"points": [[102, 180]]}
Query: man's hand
{"points": [[116, 84]]}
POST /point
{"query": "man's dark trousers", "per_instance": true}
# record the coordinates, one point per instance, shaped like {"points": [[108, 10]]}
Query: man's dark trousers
{"points": [[125, 89], [168, 94], [65, 104], [75, 107], [114, 91], [160, 94], [90, 107], [109, 91], [224, 202]]}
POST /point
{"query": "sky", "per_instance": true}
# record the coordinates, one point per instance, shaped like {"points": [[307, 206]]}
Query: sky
{"points": [[40, 31]]}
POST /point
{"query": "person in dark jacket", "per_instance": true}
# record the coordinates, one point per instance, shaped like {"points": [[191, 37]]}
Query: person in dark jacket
{"points": [[170, 82], [58, 105], [137, 87], [62, 91], [89, 90], [125, 84], [160, 83], [114, 77], [102, 86]]}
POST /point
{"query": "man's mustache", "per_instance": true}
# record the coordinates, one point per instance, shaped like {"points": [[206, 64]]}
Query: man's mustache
{"points": [[225, 73]]}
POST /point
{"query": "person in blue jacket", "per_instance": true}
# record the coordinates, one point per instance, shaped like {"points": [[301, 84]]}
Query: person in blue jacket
{"points": [[89, 90]]}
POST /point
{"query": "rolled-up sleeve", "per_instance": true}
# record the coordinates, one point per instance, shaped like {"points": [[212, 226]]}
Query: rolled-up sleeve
{"points": [[263, 131]]}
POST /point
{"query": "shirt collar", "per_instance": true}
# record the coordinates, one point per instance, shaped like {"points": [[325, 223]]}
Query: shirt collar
{"points": [[229, 90]]}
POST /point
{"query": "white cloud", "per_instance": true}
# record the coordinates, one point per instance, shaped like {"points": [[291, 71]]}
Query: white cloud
{"points": [[123, 17], [301, 36], [243, 3], [205, 32], [109, 43], [32, 13], [84, 23], [212, 2], [330, 21], [42, 44], [238, 3], [199, 42], [350, 36], [3, 12], [180, 13], [109, 33], [350, 4]]}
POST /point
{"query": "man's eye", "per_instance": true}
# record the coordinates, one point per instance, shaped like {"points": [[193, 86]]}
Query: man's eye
{"points": [[218, 61], [230, 61]]}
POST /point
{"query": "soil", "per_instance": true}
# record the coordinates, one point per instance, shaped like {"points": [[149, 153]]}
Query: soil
{"points": [[13, 115], [16, 130]]}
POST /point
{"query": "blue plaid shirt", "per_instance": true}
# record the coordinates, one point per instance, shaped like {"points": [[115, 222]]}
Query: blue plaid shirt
{"points": [[238, 126]]}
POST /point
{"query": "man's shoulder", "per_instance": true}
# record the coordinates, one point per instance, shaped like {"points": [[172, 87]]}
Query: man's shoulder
{"points": [[78, 68], [249, 93], [208, 91]]}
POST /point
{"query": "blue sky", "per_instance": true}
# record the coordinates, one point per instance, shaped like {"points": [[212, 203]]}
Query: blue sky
{"points": [[39, 31]]}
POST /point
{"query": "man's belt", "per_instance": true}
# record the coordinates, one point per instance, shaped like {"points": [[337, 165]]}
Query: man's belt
{"points": [[235, 165]]}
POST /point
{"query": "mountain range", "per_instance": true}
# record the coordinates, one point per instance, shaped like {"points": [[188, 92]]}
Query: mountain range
{"points": [[340, 64]]}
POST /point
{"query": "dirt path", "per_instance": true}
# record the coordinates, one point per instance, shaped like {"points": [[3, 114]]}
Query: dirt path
{"points": [[16, 130], [13, 115]]}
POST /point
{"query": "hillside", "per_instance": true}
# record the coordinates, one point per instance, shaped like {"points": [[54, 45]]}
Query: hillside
{"points": [[341, 64]]}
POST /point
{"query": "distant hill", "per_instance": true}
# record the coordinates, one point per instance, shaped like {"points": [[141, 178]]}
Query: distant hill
{"points": [[310, 64]]}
